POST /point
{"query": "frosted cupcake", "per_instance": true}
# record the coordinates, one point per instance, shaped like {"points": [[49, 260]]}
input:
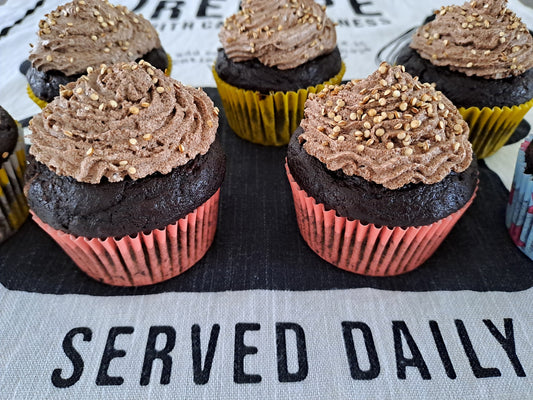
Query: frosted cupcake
{"points": [[273, 55], [126, 174], [87, 33], [480, 55], [13, 207], [381, 170]]}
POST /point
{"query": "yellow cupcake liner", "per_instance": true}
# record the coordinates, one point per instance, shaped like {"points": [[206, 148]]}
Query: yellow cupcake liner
{"points": [[168, 69], [491, 128], [36, 100], [41, 103], [13, 206], [267, 119]]}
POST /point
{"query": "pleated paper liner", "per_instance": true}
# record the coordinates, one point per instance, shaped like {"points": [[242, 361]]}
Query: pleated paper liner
{"points": [[367, 249], [41, 103], [267, 119], [36, 100], [491, 128], [13, 206], [143, 259], [519, 214]]}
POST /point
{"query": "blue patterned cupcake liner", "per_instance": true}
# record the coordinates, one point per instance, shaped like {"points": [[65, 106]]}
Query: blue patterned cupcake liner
{"points": [[519, 215]]}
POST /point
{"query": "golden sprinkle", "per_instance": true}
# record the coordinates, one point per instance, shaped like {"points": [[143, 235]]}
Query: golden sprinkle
{"points": [[372, 112], [441, 124], [380, 132], [390, 145], [160, 89], [147, 136], [353, 116], [94, 37], [68, 133], [415, 123], [456, 146], [367, 125], [94, 96], [131, 170], [90, 151], [360, 148], [340, 138], [457, 128], [101, 107], [133, 141], [403, 106], [145, 104], [336, 129], [134, 110], [469, 65], [49, 58], [5, 154], [181, 148], [90, 70], [113, 103], [438, 138], [382, 101], [401, 135], [408, 151], [123, 162], [383, 69]]}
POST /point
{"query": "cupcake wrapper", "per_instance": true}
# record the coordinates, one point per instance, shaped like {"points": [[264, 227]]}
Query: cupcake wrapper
{"points": [[491, 128], [367, 249], [519, 214], [36, 100], [13, 206], [168, 70], [144, 259], [41, 103], [267, 119]]}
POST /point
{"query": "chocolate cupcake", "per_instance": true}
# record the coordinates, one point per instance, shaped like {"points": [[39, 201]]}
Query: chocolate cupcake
{"points": [[126, 173], [519, 214], [381, 170], [273, 55], [480, 55], [13, 207], [83, 34]]}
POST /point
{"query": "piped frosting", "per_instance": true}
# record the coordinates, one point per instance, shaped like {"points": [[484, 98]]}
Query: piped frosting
{"points": [[282, 34], [481, 38], [126, 120], [388, 128]]}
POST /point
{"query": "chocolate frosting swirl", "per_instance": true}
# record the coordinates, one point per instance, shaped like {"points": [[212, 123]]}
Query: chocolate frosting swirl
{"points": [[481, 38], [388, 128], [125, 120], [282, 34], [87, 33]]}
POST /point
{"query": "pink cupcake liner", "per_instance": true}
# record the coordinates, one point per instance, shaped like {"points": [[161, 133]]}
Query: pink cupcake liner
{"points": [[366, 248], [145, 258]]}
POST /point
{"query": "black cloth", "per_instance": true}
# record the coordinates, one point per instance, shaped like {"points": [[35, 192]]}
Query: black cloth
{"points": [[258, 246]]}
